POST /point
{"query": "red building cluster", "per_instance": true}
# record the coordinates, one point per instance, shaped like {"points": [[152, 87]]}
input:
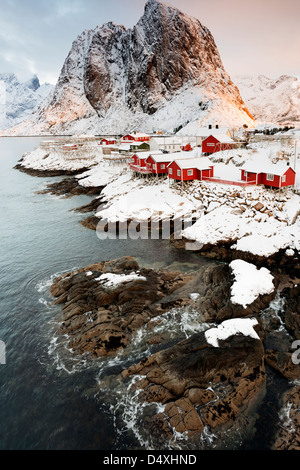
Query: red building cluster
{"points": [[180, 166]]}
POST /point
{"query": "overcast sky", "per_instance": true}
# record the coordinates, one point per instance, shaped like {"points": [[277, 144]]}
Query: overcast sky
{"points": [[253, 37]]}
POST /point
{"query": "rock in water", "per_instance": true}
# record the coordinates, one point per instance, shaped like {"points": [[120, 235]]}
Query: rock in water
{"points": [[202, 386], [105, 303]]}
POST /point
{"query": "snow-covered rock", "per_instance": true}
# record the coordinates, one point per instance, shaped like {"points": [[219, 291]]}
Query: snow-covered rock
{"points": [[249, 282], [235, 326]]}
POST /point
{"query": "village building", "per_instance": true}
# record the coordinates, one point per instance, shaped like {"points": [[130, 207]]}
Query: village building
{"points": [[158, 162], [139, 146], [205, 132], [188, 169], [136, 137], [124, 148], [276, 175], [108, 141], [216, 143], [171, 144], [138, 164]]}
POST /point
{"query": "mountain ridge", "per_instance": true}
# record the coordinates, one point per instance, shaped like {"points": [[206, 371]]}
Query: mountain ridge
{"points": [[20, 97], [164, 73], [271, 100]]}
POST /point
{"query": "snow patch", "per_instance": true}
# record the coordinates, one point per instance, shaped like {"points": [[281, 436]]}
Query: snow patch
{"points": [[249, 283], [235, 326], [114, 280]]}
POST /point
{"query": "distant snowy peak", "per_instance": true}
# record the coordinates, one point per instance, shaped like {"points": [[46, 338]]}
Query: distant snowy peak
{"points": [[19, 98], [163, 74], [271, 100]]}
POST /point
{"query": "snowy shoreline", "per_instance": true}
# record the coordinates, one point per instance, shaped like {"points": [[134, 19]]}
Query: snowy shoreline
{"points": [[252, 221], [252, 229]]}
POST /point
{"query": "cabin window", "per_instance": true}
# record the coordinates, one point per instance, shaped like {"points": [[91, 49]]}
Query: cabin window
{"points": [[170, 171], [283, 179], [178, 172], [210, 144], [154, 166], [270, 177], [162, 166], [190, 172]]}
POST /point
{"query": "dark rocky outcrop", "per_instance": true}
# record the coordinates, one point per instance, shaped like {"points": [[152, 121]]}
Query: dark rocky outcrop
{"points": [[163, 52], [291, 313], [288, 435], [48, 173], [100, 318], [222, 251], [201, 385], [70, 187]]}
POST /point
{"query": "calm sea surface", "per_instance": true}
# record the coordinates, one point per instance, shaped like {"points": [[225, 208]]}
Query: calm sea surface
{"points": [[50, 400]]}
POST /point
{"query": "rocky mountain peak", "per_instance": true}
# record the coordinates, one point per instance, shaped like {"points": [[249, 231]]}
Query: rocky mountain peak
{"points": [[163, 73]]}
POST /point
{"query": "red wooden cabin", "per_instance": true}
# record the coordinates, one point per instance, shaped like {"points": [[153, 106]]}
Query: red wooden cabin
{"points": [[158, 164], [214, 144], [108, 141], [138, 162], [189, 169], [138, 137], [277, 175]]}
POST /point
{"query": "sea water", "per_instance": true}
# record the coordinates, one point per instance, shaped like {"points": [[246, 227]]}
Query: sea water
{"points": [[49, 398]]}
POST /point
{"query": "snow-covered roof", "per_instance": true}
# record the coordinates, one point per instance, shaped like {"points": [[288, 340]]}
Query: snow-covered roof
{"points": [[205, 131], [271, 168], [223, 138], [159, 156], [163, 157], [138, 134], [201, 163], [138, 144], [148, 154]]}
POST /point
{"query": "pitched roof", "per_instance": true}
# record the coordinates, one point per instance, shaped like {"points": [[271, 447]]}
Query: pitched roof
{"points": [[168, 157], [137, 134], [201, 163], [147, 154], [205, 131], [271, 168], [222, 138]]}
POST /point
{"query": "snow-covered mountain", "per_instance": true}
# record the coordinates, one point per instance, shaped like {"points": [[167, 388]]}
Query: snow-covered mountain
{"points": [[163, 74], [19, 98], [275, 101]]}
